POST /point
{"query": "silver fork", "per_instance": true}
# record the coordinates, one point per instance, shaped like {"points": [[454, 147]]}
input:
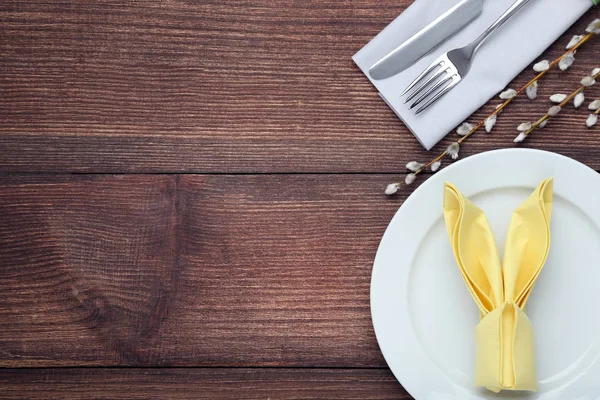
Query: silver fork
{"points": [[450, 68]]}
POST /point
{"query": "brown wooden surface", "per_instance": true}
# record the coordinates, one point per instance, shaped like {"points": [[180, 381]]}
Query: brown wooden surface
{"points": [[190, 195], [222, 86], [201, 383], [261, 270]]}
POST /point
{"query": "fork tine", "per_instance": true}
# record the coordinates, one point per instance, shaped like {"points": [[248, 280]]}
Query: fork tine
{"points": [[433, 78], [455, 80], [438, 86], [423, 74]]}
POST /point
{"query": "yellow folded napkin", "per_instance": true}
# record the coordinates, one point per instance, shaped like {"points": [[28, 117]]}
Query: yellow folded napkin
{"points": [[505, 357]]}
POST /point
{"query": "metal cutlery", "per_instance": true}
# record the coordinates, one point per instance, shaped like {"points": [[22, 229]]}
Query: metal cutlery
{"points": [[451, 67], [427, 39]]}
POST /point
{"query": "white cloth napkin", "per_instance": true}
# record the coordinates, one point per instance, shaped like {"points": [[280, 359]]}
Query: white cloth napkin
{"points": [[503, 56]]}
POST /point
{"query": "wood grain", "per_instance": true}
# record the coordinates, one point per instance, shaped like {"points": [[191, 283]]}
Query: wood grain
{"points": [[224, 86], [87, 265], [153, 270], [212, 383]]}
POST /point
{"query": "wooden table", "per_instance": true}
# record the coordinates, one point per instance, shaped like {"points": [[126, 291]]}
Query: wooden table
{"points": [[191, 195]]}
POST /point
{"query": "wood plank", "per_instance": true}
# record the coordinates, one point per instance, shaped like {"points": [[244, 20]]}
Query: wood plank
{"points": [[86, 263], [193, 383], [224, 86], [194, 270]]}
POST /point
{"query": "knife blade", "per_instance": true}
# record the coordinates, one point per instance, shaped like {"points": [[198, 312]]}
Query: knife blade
{"points": [[427, 39]]}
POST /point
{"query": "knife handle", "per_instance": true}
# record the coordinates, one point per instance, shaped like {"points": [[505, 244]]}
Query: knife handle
{"points": [[426, 40]]}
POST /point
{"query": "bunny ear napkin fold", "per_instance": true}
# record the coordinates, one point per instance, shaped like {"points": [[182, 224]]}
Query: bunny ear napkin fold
{"points": [[505, 357]]}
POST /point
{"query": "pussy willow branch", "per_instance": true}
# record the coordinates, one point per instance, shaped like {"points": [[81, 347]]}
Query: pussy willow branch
{"points": [[563, 103], [501, 107]]}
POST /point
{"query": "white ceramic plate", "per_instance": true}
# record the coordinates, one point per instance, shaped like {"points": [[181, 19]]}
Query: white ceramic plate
{"points": [[423, 315]]}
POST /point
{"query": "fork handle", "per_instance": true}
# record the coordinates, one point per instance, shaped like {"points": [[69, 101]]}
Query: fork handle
{"points": [[512, 10]]}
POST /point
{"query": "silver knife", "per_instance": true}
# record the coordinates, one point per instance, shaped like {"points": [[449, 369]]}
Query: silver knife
{"points": [[427, 39]]}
